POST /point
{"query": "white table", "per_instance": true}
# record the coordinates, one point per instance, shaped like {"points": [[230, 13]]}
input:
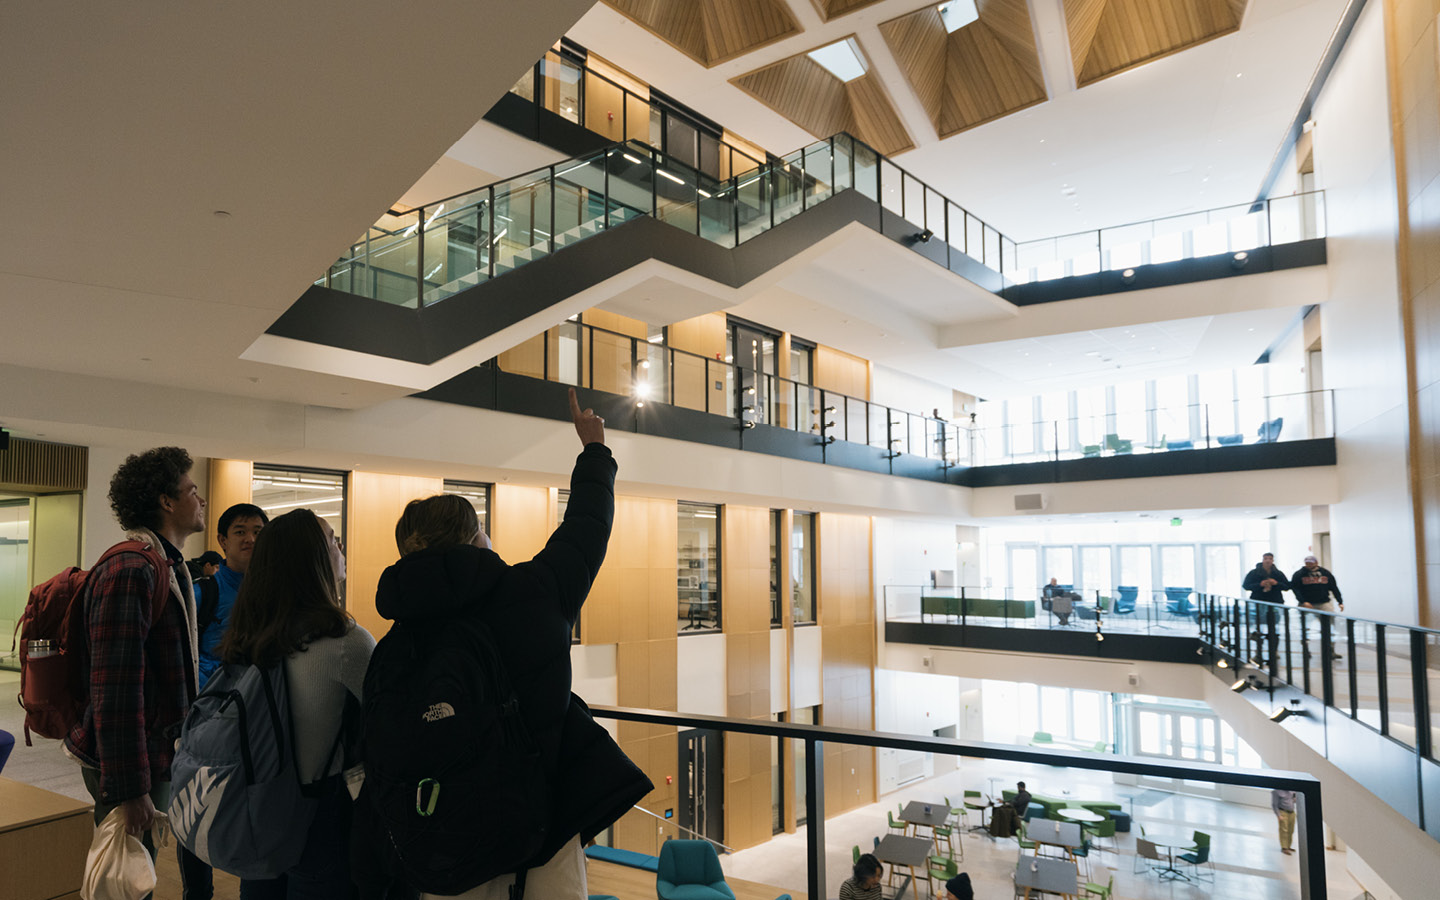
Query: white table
{"points": [[1076, 814]]}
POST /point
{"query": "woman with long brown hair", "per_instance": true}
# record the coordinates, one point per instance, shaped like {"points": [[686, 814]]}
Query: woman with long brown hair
{"points": [[288, 609]]}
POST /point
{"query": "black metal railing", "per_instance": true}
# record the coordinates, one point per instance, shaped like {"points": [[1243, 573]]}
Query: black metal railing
{"points": [[815, 738]]}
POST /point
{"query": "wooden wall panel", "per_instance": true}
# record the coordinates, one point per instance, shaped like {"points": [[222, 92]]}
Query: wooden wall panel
{"points": [[1412, 50], [528, 357], [374, 505], [694, 378], [634, 597], [847, 619], [836, 370], [745, 573], [229, 483], [42, 466], [520, 518]]}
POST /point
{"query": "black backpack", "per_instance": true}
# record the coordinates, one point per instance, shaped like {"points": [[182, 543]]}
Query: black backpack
{"points": [[453, 781]]}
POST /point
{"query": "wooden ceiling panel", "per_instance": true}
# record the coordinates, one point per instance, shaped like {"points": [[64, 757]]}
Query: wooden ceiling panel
{"points": [[711, 31], [804, 92], [983, 81], [834, 9], [918, 43], [734, 27], [1082, 17], [1128, 33], [800, 89], [1009, 22], [988, 69], [876, 122]]}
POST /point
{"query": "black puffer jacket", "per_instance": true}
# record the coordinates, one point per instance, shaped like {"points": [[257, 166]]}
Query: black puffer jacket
{"points": [[531, 609]]}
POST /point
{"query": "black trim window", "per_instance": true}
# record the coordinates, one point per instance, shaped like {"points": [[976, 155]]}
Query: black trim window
{"points": [[279, 489], [802, 568], [777, 618], [698, 567], [478, 493]]}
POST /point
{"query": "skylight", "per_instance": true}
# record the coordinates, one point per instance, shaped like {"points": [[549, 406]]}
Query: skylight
{"points": [[957, 14], [841, 59]]}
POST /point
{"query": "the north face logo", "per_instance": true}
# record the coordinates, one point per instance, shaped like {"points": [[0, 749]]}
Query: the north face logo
{"points": [[439, 711]]}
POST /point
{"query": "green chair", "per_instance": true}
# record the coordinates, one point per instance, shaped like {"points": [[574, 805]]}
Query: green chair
{"points": [[690, 870], [1115, 444], [1200, 856], [1020, 833], [974, 800], [942, 869], [1089, 450], [947, 834], [902, 826], [1100, 891], [1105, 829], [855, 854], [1041, 737]]}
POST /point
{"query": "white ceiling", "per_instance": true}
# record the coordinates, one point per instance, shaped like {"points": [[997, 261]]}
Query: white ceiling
{"points": [[1191, 131]]}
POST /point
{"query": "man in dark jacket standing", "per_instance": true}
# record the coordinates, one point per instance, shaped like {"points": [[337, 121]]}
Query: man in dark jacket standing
{"points": [[1313, 584], [1266, 584], [448, 574], [141, 671]]}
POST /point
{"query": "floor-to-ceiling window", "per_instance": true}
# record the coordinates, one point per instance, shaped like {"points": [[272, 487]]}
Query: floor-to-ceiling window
{"points": [[698, 567], [279, 489]]}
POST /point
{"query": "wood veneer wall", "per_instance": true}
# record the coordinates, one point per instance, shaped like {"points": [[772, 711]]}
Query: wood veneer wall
{"points": [[847, 641], [230, 483], [745, 575], [373, 506], [1412, 38]]}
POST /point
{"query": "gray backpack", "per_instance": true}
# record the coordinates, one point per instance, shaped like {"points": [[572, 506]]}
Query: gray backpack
{"points": [[237, 801]]}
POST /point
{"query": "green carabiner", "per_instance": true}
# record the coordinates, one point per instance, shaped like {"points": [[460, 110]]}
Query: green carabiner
{"points": [[421, 807]]}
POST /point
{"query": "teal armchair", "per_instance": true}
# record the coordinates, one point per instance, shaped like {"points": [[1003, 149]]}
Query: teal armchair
{"points": [[690, 870]]}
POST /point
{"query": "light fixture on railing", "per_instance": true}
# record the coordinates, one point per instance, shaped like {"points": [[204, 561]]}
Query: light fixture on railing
{"points": [[1242, 686], [1285, 712], [1127, 276], [1099, 635], [925, 236], [1239, 260]]}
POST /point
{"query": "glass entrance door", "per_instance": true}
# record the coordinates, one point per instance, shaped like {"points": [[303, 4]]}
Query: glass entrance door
{"points": [[1179, 734]]}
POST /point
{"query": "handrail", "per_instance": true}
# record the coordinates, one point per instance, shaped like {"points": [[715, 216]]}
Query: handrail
{"points": [[673, 824], [1310, 815]]}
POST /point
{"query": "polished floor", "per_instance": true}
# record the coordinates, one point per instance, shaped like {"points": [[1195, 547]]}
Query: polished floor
{"points": [[1246, 851]]}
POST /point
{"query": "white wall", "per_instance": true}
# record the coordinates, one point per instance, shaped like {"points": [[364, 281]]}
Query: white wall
{"points": [[700, 676], [779, 666], [805, 673], [905, 552], [99, 528], [891, 388], [595, 678], [918, 704], [1364, 348]]}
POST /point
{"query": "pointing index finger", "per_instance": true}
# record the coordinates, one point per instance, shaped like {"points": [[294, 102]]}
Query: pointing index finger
{"points": [[574, 406]]}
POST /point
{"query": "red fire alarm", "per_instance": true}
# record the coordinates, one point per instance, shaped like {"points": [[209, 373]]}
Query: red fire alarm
{"points": [[669, 779]]}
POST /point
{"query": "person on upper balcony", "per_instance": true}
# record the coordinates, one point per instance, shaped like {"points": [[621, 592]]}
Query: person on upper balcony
{"points": [[1313, 584], [1266, 582]]}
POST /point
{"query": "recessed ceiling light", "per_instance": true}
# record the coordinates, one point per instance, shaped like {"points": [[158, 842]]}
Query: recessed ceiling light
{"points": [[221, 214], [841, 59], [957, 14]]}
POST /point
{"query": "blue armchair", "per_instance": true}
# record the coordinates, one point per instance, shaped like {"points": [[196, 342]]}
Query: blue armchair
{"points": [[1125, 600], [690, 870], [1269, 432], [1177, 601]]}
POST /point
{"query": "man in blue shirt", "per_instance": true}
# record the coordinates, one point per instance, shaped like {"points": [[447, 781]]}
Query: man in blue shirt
{"points": [[238, 527]]}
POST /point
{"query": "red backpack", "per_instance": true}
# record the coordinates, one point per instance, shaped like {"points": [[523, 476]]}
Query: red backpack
{"points": [[52, 688]]}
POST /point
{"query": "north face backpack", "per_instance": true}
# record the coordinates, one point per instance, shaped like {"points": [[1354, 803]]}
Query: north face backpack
{"points": [[453, 780], [53, 690], [237, 801]]}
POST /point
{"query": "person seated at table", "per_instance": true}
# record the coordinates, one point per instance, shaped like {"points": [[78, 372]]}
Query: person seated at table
{"points": [[958, 888], [1022, 799], [865, 885]]}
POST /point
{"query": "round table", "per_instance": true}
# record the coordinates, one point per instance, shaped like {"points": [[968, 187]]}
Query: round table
{"points": [[1076, 814]]}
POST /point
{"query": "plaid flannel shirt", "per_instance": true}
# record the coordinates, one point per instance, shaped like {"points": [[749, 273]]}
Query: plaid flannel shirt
{"points": [[141, 677]]}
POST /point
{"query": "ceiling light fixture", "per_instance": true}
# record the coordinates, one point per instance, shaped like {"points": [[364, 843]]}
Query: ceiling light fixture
{"points": [[664, 174], [631, 158], [841, 59]]}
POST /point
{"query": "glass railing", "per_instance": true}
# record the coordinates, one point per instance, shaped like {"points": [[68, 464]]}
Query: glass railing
{"points": [[427, 254], [825, 777], [591, 357], [1169, 611], [1163, 429], [1230, 229], [577, 93]]}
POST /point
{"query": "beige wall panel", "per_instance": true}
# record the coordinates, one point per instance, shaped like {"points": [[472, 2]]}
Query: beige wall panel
{"points": [[230, 483], [847, 651], [55, 534], [372, 508], [836, 370], [526, 358], [520, 518]]}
